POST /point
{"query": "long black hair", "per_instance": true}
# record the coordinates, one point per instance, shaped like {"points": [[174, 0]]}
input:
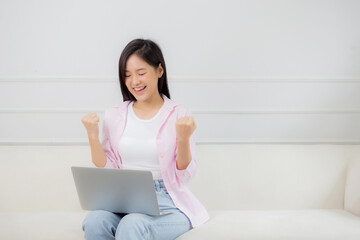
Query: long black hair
{"points": [[151, 53]]}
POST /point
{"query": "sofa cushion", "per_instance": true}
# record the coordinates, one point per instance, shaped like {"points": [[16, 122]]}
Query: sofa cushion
{"points": [[352, 188], [268, 177], [41, 225], [281, 224]]}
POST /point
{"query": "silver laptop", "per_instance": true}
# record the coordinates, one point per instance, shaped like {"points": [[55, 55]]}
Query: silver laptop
{"points": [[116, 190]]}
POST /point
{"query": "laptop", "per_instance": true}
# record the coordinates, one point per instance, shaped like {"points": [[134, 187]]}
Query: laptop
{"points": [[116, 190]]}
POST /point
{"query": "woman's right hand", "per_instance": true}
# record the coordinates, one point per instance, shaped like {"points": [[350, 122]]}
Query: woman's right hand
{"points": [[90, 122]]}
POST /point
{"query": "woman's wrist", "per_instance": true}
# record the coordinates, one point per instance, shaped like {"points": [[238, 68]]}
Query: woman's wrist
{"points": [[183, 153], [183, 140], [93, 138]]}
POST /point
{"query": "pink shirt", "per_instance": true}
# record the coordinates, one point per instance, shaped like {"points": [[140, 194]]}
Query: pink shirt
{"points": [[174, 179]]}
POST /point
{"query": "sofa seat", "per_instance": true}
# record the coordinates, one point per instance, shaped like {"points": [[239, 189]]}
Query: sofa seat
{"points": [[41, 225], [266, 224], [278, 224]]}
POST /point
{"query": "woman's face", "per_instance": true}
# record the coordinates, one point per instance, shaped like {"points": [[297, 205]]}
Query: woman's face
{"points": [[141, 79]]}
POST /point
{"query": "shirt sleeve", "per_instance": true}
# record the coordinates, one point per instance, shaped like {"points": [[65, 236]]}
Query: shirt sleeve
{"points": [[105, 143], [189, 172]]}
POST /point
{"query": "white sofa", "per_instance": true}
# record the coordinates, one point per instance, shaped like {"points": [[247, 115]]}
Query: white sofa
{"points": [[252, 191]]}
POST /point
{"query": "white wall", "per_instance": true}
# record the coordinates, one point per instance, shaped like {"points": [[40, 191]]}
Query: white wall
{"points": [[251, 71]]}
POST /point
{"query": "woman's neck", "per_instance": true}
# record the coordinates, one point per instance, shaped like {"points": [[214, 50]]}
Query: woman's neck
{"points": [[150, 104]]}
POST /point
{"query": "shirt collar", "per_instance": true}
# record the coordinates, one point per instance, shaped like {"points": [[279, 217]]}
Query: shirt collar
{"points": [[169, 104]]}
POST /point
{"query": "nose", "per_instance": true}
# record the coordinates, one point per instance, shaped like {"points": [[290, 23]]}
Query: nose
{"points": [[135, 81]]}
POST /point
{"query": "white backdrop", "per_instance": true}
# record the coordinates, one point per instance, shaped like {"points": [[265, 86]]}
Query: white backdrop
{"points": [[251, 71]]}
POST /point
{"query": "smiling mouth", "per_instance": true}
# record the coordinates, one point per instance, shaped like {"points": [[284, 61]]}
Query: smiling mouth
{"points": [[139, 90]]}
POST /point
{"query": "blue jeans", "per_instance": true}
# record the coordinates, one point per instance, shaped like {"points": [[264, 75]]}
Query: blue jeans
{"points": [[105, 225]]}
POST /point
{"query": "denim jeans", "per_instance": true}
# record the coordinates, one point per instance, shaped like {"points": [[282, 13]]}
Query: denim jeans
{"points": [[105, 225]]}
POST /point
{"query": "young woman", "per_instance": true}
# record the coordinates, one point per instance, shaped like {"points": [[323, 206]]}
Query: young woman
{"points": [[147, 131]]}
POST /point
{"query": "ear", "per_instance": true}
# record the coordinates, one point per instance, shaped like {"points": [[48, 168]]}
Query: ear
{"points": [[160, 70]]}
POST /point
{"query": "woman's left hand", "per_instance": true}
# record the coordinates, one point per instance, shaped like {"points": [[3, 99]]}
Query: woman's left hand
{"points": [[185, 126]]}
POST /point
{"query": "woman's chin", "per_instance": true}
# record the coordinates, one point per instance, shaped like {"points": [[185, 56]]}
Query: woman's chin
{"points": [[141, 97]]}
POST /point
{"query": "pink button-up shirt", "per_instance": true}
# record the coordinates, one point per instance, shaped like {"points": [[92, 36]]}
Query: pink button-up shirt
{"points": [[174, 179]]}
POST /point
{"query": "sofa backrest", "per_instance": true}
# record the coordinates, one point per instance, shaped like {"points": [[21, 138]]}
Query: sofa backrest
{"points": [[39, 178], [272, 176], [230, 176]]}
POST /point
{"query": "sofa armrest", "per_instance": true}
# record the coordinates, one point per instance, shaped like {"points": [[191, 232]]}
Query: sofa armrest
{"points": [[352, 187]]}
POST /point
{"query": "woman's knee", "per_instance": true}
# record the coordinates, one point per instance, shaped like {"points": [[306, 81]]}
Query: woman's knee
{"points": [[134, 224], [99, 219]]}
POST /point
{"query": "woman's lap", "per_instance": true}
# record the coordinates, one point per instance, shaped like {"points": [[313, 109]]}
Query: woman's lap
{"points": [[107, 225]]}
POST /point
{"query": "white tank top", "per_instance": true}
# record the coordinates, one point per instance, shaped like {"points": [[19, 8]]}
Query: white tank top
{"points": [[137, 146]]}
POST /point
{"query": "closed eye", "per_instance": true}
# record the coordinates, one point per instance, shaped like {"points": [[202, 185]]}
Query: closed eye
{"points": [[139, 74]]}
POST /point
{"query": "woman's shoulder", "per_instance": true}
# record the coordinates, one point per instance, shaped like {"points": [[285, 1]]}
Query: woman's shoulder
{"points": [[116, 109], [181, 107], [178, 107], [182, 110]]}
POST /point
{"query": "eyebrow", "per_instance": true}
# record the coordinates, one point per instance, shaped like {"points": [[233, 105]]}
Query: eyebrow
{"points": [[137, 69]]}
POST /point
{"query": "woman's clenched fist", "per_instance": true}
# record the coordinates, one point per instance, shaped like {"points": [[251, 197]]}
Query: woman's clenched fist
{"points": [[185, 126], [90, 122]]}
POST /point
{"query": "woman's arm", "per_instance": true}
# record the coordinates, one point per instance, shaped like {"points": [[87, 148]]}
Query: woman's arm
{"points": [[185, 126], [184, 154], [90, 122], [97, 153]]}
